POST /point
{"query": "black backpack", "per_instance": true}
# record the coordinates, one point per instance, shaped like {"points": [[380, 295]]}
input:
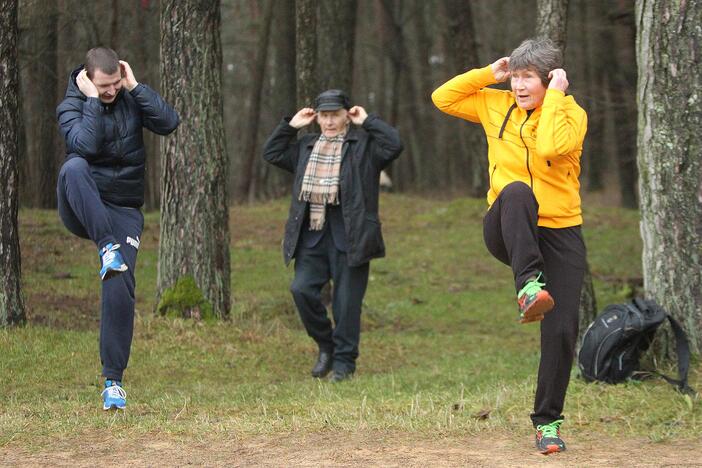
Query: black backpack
{"points": [[612, 344]]}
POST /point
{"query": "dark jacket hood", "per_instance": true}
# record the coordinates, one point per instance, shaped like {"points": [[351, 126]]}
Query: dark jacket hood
{"points": [[73, 91]]}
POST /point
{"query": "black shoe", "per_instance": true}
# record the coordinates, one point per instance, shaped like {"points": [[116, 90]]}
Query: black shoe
{"points": [[338, 376], [323, 364]]}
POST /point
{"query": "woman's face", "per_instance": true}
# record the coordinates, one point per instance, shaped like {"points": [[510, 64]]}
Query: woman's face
{"points": [[528, 89], [333, 122]]}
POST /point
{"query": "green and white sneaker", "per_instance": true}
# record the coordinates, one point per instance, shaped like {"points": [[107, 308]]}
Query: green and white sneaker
{"points": [[534, 301], [548, 438]]}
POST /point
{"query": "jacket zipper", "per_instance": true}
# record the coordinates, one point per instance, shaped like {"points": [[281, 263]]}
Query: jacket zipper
{"points": [[492, 175], [531, 177]]}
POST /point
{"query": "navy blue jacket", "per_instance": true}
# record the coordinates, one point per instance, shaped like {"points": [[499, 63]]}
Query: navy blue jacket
{"points": [[110, 136], [365, 152]]}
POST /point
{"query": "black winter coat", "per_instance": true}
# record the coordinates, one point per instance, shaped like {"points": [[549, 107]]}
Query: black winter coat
{"points": [[110, 136], [365, 152]]}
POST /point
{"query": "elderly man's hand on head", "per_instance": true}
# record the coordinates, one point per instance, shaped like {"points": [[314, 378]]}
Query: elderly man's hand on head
{"points": [[500, 69], [558, 80], [85, 85], [304, 117], [358, 115]]}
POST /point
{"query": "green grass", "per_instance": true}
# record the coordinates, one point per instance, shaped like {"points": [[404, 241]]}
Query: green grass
{"points": [[440, 342]]}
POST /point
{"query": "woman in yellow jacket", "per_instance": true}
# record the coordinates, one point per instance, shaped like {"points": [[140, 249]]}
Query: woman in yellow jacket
{"points": [[535, 135]]}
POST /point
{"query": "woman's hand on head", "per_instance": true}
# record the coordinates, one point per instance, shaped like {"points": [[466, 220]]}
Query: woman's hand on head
{"points": [[500, 69], [558, 79], [304, 117]]}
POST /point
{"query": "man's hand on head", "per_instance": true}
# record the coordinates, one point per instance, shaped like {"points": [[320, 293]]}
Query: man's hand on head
{"points": [[128, 80], [358, 115], [85, 85], [304, 117], [558, 79]]}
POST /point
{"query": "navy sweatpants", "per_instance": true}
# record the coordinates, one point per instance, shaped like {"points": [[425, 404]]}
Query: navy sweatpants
{"points": [[513, 237], [87, 216]]}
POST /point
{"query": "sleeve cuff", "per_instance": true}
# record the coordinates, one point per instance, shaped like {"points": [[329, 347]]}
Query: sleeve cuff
{"points": [[369, 120], [554, 93], [137, 89], [486, 75]]}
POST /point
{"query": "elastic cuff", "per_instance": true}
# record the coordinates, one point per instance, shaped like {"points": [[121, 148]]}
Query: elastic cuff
{"points": [[112, 374]]}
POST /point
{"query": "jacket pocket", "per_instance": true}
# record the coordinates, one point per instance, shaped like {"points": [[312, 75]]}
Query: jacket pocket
{"points": [[492, 175]]}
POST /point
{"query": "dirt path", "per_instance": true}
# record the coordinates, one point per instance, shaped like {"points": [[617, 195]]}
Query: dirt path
{"points": [[343, 449]]}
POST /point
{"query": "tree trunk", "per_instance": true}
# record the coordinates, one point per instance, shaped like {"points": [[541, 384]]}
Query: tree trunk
{"points": [[670, 159], [594, 150], [194, 215], [624, 97], [284, 96], [284, 88], [39, 85], [336, 33], [588, 304], [251, 153], [462, 56], [551, 21], [306, 52], [11, 303]]}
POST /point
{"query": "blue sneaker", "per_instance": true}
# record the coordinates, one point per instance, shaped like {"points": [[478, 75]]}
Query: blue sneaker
{"points": [[112, 262], [113, 396]]}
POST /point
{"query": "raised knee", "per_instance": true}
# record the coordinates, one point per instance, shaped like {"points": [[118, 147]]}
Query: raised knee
{"points": [[74, 165], [516, 189]]}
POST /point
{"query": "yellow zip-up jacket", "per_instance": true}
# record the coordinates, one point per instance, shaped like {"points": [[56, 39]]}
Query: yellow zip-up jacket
{"points": [[541, 148]]}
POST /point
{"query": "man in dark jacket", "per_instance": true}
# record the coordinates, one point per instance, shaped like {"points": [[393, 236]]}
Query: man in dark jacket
{"points": [[333, 229], [101, 188]]}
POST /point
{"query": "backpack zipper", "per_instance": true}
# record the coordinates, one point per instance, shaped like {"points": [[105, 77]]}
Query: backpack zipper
{"points": [[599, 348]]}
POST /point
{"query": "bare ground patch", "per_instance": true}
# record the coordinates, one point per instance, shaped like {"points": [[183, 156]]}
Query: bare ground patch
{"points": [[349, 449], [63, 312]]}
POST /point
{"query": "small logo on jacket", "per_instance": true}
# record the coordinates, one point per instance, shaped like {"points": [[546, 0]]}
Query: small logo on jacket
{"points": [[133, 242]]}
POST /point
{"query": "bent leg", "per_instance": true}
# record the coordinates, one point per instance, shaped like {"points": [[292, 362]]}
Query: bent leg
{"points": [[511, 233], [80, 206]]}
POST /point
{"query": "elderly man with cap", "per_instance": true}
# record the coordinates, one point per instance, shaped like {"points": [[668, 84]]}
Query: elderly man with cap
{"points": [[333, 228]]}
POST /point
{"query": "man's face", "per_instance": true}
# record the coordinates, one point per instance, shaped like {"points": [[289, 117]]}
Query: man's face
{"points": [[333, 122], [528, 89], [107, 85]]}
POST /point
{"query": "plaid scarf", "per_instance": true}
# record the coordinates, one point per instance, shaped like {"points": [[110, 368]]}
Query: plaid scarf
{"points": [[320, 184]]}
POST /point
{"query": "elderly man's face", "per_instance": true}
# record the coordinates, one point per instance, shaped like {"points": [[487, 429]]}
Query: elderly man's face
{"points": [[528, 89], [107, 85], [333, 122]]}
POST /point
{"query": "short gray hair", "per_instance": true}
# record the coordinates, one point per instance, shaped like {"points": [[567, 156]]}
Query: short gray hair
{"points": [[540, 55]]}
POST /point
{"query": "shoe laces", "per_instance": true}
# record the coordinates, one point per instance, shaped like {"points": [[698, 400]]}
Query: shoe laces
{"points": [[532, 287], [108, 253], [115, 391], [550, 430]]}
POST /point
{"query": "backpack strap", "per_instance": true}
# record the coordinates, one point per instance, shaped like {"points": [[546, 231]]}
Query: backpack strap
{"points": [[682, 348]]}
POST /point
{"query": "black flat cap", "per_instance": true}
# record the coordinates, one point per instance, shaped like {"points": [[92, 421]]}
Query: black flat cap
{"points": [[330, 100]]}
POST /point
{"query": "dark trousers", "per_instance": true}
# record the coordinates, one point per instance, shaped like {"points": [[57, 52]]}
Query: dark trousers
{"points": [[514, 238], [87, 216], [314, 267]]}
